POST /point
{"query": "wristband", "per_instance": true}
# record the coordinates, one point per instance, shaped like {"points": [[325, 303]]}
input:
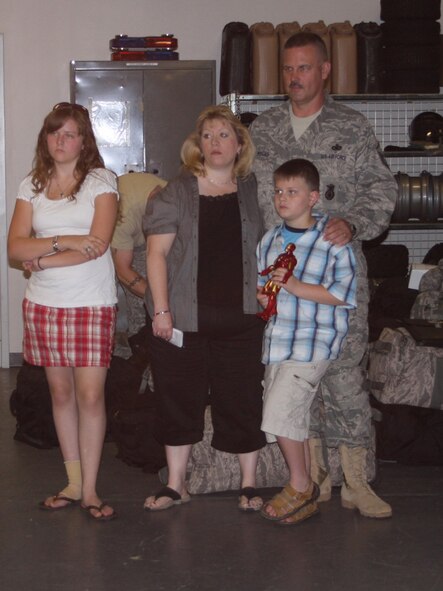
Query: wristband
{"points": [[162, 312], [55, 246], [38, 264]]}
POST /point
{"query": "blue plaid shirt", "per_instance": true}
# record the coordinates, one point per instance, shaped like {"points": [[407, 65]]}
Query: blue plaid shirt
{"points": [[303, 330]]}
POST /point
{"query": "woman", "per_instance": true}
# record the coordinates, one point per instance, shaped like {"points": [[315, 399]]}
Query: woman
{"points": [[202, 230], [60, 232]]}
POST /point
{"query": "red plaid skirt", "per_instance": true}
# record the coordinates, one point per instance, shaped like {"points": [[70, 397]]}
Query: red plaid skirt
{"points": [[68, 337]]}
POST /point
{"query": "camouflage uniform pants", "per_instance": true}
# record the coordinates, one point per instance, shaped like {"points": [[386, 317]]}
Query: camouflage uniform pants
{"points": [[341, 413]]}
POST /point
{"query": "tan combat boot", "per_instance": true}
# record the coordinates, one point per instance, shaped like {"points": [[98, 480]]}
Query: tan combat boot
{"points": [[355, 491], [319, 471]]}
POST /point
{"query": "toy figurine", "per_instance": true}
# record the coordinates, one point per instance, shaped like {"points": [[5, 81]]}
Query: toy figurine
{"points": [[285, 260]]}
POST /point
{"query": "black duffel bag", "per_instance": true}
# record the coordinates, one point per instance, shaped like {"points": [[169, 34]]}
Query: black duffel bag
{"points": [[30, 403], [409, 9], [409, 434], [131, 410]]}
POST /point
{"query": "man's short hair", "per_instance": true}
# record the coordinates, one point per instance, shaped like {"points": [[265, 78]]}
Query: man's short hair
{"points": [[299, 167], [304, 38]]}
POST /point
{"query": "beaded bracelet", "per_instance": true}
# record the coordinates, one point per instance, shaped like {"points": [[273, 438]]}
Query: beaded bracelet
{"points": [[162, 312]]}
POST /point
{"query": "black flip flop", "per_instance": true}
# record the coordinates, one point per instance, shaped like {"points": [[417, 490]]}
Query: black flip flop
{"points": [[175, 499], [250, 492]]}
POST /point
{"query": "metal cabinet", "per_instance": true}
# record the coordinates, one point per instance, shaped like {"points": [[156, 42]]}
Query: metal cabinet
{"points": [[142, 111]]}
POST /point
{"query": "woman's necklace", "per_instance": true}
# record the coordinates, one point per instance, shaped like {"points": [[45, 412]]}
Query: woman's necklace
{"points": [[220, 183], [62, 193]]}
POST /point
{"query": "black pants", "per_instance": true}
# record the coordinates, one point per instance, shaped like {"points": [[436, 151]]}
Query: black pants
{"points": [[222, 360]]}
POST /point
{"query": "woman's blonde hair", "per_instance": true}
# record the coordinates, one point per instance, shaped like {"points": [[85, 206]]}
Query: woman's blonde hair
{"points": [[191, 153]]}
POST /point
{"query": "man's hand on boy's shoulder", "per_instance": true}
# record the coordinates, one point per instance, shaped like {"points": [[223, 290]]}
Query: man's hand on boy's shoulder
{"points": [[338, 231]]}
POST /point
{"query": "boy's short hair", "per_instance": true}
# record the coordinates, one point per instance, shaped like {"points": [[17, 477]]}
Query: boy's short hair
{"points": [[299, 167]]}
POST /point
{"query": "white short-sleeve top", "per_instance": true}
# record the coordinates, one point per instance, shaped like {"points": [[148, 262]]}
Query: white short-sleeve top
{"points": [[91, 283]]}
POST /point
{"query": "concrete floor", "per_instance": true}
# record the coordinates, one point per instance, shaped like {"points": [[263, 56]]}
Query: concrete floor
{"points": [[207, 545]]}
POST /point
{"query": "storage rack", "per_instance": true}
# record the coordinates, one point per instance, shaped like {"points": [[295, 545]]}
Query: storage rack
{"points": [[390, 115]]}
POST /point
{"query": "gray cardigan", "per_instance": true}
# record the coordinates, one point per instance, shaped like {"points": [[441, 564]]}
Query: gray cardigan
{"points": [[175, 210]]}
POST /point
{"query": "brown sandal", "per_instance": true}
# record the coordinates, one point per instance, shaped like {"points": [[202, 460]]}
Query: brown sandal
{"points": [[302, 514], [288, 501]]}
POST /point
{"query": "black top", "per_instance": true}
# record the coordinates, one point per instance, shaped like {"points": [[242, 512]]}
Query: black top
{"points": [[220, 269]]}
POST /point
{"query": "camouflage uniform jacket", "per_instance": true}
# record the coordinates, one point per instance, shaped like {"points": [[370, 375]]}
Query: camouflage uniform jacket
{"points": [[355, 182]]}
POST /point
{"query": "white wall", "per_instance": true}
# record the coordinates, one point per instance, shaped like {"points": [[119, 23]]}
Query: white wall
{"points": [[42, 36]]}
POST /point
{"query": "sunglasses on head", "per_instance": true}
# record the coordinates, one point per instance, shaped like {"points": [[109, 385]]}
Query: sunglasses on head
{"points": [[70, 106]]}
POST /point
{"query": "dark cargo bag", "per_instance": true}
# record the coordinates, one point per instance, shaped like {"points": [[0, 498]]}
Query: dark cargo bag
{"points": [[409, 9], [409, 434], [410, 33], [30, 403], [412, 80], [131, 410]]}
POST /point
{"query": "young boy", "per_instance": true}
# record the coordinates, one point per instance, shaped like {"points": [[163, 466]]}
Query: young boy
{"points": [[307, 331]]}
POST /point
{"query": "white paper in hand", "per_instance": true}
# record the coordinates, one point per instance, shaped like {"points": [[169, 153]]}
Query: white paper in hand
{"points": [[177, 338]]}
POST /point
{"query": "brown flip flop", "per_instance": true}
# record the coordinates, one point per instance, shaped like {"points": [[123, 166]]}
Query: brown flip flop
{"points": [[58, 497], [99, 508]]}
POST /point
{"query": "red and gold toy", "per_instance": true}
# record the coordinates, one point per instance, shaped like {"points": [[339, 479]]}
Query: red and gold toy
{"points": [[285, 260]]}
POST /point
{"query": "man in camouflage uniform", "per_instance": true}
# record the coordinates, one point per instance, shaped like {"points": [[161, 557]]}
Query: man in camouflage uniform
{"points": [[358, 192]]}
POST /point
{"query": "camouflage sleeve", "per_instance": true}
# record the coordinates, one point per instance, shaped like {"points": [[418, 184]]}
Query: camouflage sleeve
{"points": [[365, 189], [376, 189], [266, 160]]}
